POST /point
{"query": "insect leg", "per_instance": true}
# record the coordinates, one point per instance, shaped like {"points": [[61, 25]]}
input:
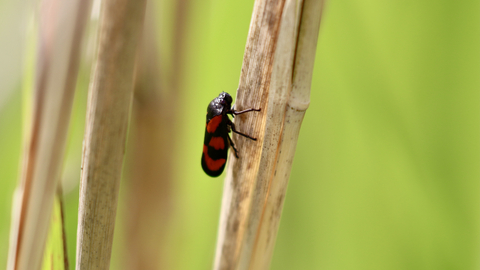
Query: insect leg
{"points": [[244, 111], [232, 125], [232, 145]]}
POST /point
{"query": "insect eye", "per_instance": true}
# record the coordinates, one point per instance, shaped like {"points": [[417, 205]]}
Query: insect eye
{"points": [[228, 99]]}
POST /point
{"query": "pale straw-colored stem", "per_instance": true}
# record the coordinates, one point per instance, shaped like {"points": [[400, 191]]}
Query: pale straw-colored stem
{"points": [[60, 36], [276, 76], [110, 98]]}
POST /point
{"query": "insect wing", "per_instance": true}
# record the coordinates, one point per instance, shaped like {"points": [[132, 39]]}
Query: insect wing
{"points": [[215, 147]]}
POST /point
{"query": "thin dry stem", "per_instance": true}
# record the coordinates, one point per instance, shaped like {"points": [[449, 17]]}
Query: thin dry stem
{"points": [[110, 98], [61, 32], [148, 192]]}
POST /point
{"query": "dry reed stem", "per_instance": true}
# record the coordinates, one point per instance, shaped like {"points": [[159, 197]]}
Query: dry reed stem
{"points": [[276, 76], [110, 98], [149, 181], [60, 36]]}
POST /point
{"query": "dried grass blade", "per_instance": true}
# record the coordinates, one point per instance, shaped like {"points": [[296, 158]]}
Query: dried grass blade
{"points": [[110, 98], [61, 32], [149, 180]]}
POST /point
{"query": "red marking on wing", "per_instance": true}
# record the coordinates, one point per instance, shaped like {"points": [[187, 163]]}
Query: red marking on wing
{"points": [[217, 143], [213, 165], [213, 123]]}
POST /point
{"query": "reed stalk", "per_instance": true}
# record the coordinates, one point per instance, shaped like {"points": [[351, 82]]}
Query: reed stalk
{"points": [[108, 109], [60, 36], [276, 76]]}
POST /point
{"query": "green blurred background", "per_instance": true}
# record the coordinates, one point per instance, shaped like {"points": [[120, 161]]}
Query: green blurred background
{"points": [[387, 169]]}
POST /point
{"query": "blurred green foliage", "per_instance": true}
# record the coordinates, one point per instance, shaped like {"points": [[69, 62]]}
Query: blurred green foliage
{"points": [[54, 257], [386, 173]]}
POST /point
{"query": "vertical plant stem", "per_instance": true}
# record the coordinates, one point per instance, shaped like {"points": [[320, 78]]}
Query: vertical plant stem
{"points": [[276, 77], [110, 97], [60, 37], [150, 163], [149, 178]]}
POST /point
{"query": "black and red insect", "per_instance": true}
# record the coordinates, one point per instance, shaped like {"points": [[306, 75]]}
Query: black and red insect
{"points": [[217, 140]]}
